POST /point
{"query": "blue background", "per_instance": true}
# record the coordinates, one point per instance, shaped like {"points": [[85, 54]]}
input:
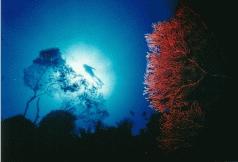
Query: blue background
{"points": [[116, 28]]}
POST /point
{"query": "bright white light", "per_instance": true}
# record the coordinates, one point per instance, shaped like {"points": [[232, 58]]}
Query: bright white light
{"points": [[79, 55]]}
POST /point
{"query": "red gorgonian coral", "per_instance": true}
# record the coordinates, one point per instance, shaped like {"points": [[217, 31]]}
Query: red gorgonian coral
{"points": [[172, 68], [181, 52]]}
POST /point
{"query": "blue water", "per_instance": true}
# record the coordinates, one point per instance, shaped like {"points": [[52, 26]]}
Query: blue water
{"points": [[116, 28]]}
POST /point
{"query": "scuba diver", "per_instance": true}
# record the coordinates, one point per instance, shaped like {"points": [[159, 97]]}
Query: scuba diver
{"points": [[90, 71]]}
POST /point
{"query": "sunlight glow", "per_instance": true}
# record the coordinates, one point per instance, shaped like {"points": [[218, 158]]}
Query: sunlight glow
{"points": [[80, 55]]}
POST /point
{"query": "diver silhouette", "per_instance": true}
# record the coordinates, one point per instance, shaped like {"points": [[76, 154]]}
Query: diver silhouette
{"points": [[90, 70]]}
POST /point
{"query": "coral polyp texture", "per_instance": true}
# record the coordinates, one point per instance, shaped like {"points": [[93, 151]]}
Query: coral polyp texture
{"points": [[181, 62]]}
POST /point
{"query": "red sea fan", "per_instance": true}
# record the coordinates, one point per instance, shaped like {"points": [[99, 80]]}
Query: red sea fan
{"points": [[180, 128], [172, 68], [175, 68]]}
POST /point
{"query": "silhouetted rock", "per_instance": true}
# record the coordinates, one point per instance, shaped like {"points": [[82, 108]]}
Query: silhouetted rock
{"points": [[58, 122], [56, 136], [18, 139]]}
